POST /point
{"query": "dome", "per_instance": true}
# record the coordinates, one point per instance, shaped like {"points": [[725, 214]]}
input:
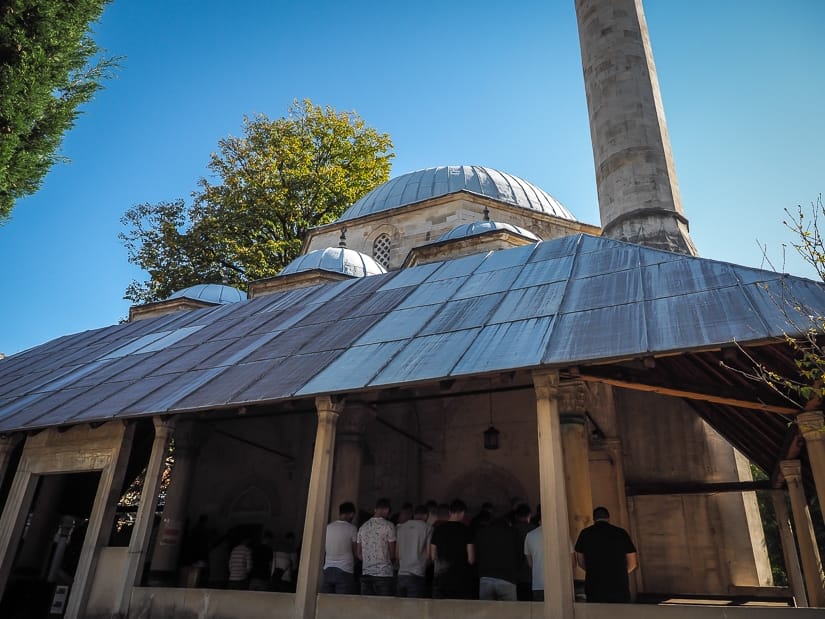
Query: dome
{"points": [[443, 180], [480, 227], [336, 260], [210, 293]]}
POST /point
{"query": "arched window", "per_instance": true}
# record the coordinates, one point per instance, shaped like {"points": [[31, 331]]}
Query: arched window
{"points": [[381, 250]]}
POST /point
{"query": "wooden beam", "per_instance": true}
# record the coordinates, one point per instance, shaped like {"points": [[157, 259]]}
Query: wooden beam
{"points": [[692, 395]]}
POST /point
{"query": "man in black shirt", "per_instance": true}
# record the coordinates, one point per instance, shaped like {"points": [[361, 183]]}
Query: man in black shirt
{"points": [[452, 552], [607, 555]]}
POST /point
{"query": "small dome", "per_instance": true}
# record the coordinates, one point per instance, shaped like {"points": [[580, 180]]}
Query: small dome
{"points": [[336, 260], [444, 180], [480, 227], [210, 293]]}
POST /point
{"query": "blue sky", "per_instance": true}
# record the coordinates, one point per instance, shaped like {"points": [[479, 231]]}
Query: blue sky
{"points": [[479, 83]]}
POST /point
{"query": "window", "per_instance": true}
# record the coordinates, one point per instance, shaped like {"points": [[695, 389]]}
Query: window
{"points": [[381, 250]]}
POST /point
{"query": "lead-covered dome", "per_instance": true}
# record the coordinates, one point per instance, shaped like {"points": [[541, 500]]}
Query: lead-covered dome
{"points": [[210, 293], [480, 227], [336, 260], [443, 180]]}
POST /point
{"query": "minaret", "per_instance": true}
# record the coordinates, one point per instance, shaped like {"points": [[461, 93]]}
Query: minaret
{"points": [[639, 197]]}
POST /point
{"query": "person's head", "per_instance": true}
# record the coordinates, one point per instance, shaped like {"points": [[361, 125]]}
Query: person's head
{"points": [[457, 509], [346, 511], [601, 513], [484, 518], [406, 513], [522, 512], [382, 507], [421, 512]]}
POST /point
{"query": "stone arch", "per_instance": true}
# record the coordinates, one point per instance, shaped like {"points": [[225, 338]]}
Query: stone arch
{"points": [[487, 483], [251, 505]]}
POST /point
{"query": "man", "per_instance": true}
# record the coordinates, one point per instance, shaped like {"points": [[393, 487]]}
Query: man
{"points": [[607, 555], [339, 561], [375, 546], [534, 554], [452, 552], [413, 540], [521, 523], [240, 564], [498, 556], [262, 563]]}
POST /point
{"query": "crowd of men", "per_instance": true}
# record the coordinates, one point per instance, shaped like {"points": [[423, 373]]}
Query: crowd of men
{"points": [[438, 551]]}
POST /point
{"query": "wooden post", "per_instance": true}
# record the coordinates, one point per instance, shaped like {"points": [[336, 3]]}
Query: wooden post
{"points": [[139, 541], [812, 429], [789, 553], [320, 484], [811, 562], [558, 568]]}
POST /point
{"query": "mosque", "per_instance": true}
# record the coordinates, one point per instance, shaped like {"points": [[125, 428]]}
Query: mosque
{"points": [[455, 333]]}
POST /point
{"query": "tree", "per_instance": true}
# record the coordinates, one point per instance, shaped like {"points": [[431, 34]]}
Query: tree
{"points": [[269, 187], [46, 72]]}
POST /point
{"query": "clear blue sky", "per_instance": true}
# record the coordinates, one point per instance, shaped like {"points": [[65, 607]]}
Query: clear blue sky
{"points": [[482, 83]]}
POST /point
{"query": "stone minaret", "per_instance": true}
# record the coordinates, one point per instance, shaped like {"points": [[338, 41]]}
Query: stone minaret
{"points": [[638, 192]]}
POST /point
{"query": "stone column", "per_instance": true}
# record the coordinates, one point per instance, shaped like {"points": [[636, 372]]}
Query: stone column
{"points": [[139, 541], [811, 563], [812, 429], [558, 568], [189, 437], [320, 483], [349, 453], [576, 449], [13, 520], [783, 522], [639, 198], [7, 445]]}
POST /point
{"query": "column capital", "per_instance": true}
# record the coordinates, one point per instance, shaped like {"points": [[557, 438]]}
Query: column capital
{"points": [[164, 427], [329, 405], [546, 383], [791, 470], [811, 425], [571, 401]]}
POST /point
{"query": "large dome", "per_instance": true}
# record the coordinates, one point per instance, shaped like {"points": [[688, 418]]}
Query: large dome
{"points": [[443, 180]]}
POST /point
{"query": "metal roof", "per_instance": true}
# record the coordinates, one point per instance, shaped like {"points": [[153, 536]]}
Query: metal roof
{"points": [[444, 180], [571, 301]]}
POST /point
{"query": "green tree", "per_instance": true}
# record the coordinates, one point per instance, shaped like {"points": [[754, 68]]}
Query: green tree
{"points": [[268, 188], [49, 66]]}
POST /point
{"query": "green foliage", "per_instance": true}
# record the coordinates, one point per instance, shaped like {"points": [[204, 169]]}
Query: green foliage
{"points": [[269, 187], [46, 71]]}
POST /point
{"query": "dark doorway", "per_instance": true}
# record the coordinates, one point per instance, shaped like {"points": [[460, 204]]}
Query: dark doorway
{"points": [[50, 546]]}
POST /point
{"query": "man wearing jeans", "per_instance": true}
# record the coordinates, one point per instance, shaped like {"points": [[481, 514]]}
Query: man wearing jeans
{"points": [[375, 546], [413, 542], [339, 563]]}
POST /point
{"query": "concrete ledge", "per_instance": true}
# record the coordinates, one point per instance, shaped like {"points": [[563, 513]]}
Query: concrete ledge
{"points": [[160, 603]]}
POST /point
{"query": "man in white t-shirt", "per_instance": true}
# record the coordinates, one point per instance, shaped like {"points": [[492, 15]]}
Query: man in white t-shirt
{"points": [[534, 552], [375, 546], [339, 564], [413, 540]]}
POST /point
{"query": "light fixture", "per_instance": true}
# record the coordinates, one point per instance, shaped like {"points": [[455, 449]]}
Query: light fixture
{"points": [[490, 434]]}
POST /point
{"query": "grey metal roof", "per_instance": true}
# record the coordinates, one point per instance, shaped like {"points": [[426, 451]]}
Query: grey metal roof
{"points": [[211, 293], [480, 227], [575, 300], [443, 180], [336, 260]]}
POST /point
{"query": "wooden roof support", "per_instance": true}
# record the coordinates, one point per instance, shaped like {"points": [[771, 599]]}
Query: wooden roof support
{"points": [[691, 395]]}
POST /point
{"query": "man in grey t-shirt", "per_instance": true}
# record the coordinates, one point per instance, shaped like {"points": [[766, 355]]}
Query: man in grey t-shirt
{"points": [[413, 539], [339, 561]]}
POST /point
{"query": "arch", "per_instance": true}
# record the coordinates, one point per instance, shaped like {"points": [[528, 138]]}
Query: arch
{"points": [[487, 483]]}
